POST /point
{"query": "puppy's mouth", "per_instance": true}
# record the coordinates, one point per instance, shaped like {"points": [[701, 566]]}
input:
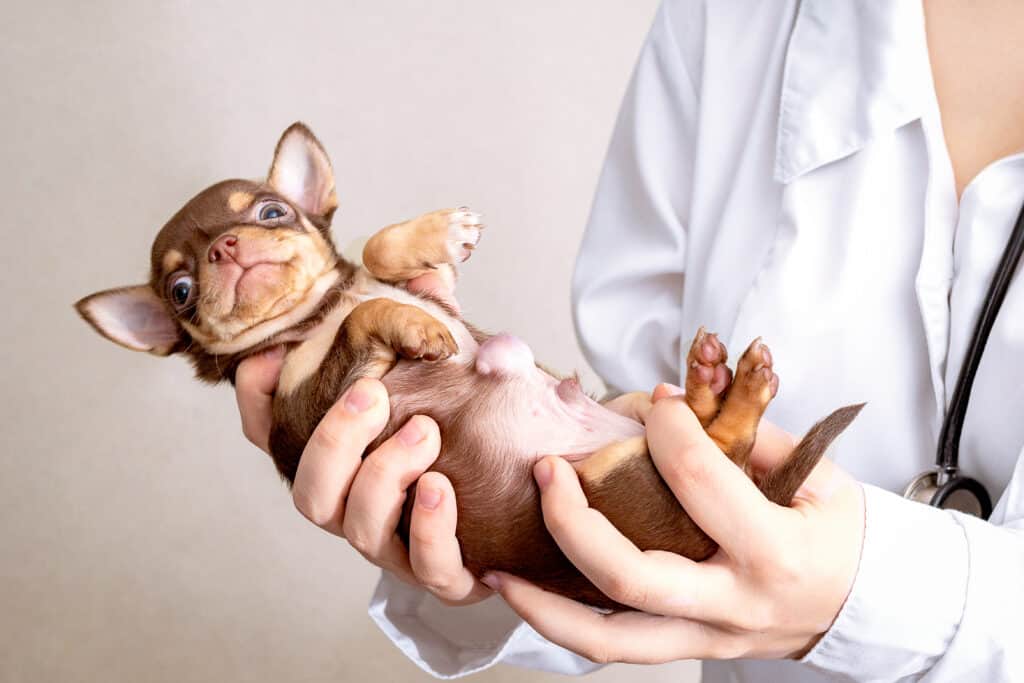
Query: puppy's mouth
{"points": [[248, 277], [240, 293], [255, 282], [242, 284]]}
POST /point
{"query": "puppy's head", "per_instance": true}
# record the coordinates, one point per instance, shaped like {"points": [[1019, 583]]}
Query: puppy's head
{"points": [[241, 262]]}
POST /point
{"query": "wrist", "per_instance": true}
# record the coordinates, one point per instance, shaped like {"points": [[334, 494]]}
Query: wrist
{"points": [[907, 596]]}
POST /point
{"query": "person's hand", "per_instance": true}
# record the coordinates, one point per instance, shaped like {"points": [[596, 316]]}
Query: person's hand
{"points": [[774, 586], [361, 499], [635, 405], [771, 444]]}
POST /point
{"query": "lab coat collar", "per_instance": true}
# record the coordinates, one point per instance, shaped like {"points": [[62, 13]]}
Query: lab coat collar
{"points": [[854, 70]]}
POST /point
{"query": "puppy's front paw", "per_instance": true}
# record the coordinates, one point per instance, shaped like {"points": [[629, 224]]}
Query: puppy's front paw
{"points": [[427, 339], [464, 228]]}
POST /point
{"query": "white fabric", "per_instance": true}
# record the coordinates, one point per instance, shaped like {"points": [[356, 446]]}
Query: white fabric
{"points": [[787, 161]]}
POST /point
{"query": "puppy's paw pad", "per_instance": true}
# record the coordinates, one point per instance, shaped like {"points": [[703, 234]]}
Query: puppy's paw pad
{"points": [[464, 230]]}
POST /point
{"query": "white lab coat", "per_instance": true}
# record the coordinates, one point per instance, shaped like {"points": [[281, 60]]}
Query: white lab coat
{"points": [[779, 169]]}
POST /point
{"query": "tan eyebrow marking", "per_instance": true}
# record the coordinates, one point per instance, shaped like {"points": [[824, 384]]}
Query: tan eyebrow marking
{"points": [[239, 200], [173, 260]]}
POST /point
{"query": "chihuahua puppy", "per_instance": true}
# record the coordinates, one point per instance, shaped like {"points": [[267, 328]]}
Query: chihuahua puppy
{"points": [[245, 266]]}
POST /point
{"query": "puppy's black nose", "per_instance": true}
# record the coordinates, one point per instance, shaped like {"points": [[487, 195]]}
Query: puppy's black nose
{"points": [[223, 249]]}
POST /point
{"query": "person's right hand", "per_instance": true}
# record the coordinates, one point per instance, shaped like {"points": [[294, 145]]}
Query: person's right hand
{"points": [[361, 499]]}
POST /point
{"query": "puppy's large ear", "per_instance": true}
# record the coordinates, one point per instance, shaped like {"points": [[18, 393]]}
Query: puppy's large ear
{"points": [[302, 173], [134, 317]]}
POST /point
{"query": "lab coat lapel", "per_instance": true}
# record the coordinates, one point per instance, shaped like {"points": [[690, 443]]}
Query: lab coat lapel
{"points": [[853, 72], [856, 71]]}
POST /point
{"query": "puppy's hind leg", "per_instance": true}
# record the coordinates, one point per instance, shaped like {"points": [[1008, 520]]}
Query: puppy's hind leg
{"points": [[407, 250], [753, 388]]}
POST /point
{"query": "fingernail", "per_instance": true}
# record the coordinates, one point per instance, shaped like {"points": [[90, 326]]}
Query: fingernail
{"points": [[411, 433], [491, 581], [672, 389], [358, 399], [542, 472], [428, 498]]}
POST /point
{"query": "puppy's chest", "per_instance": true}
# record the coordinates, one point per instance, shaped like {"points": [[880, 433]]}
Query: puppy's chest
{"points": [[306, 358]]}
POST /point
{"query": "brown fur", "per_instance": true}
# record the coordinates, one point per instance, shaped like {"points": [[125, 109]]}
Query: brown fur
{"points": [[370, 340], [382, 331]]}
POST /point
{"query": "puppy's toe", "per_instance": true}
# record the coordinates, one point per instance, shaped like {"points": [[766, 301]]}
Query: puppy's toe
{"points": [[464, 230], [755, 374]]}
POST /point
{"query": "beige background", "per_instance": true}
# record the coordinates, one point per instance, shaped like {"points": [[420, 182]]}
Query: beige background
{"points": [[142, 537]]}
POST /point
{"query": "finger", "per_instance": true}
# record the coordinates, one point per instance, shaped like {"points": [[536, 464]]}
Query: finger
{"points": [[657, 582], [634, 405], [334, 452], [434, 551], [255, 383], [631, 637], [666, 390], [439, 283], [717, 494], [374, 506]]}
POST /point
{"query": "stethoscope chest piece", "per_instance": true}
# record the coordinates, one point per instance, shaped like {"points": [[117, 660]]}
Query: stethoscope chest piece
{"points": [[962, 494]]}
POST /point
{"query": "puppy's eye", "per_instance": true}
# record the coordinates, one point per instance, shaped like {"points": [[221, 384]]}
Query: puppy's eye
{"points": [[271, 211], [181, 290]]}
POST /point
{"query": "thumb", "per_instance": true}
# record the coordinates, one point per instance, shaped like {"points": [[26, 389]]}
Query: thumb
{"points": [[671, 422], [255, 383]]}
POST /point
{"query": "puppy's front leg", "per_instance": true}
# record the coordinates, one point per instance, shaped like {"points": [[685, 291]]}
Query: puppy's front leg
{"points": [[381, 330], [407, 250]]}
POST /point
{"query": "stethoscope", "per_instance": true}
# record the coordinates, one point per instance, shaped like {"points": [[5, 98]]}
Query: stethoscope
{"points": [[944, 487]]}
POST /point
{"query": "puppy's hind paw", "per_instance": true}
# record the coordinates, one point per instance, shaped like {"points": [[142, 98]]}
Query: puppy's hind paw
{"points": [[707, 376], [464, 229], [755, 376]]}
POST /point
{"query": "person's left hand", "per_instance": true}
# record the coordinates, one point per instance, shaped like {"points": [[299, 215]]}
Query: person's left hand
{"points": [[774, 586]]}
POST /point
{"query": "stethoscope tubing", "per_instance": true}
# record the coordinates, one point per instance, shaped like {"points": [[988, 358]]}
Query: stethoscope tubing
{"points": [[948, 455], [945, 487]]}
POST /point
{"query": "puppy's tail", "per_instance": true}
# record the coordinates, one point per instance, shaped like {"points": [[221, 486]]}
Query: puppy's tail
{"points": [[780, 484]]}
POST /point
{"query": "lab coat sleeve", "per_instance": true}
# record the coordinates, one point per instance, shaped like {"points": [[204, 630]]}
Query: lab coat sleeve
{"points": [[628, 282], [938, 595], [448, 642], [633, 246]]}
